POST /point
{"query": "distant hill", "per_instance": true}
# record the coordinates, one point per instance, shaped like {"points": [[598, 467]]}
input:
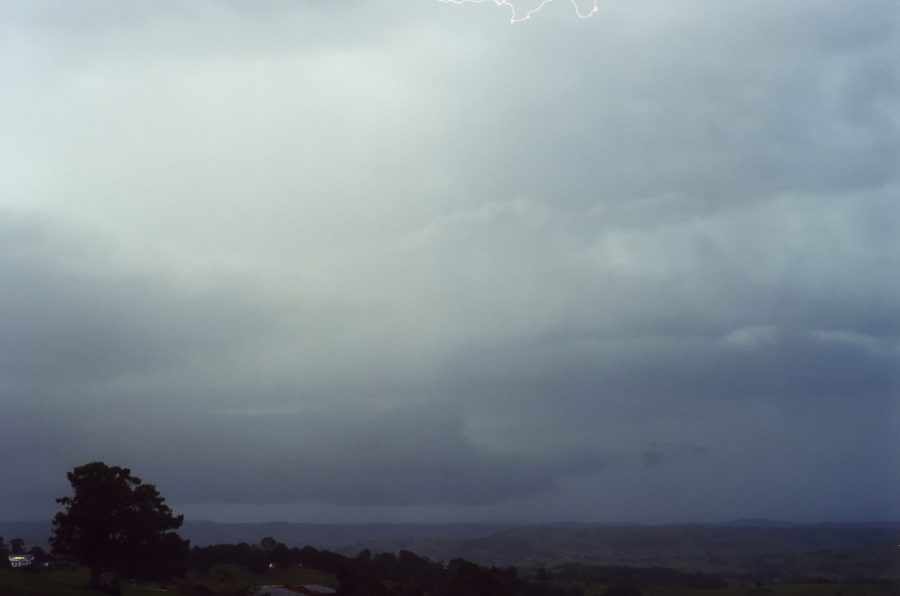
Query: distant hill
{"points": [[712, 547], [332, 536], [667, 545], [716, 548], [771, 523]]}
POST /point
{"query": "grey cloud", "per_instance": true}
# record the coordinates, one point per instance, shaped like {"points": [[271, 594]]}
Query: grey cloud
{"points": [[635, 384], [662, 454], [408, 456], [526, 267], [689, 101], [73, 313], [381, 255]]}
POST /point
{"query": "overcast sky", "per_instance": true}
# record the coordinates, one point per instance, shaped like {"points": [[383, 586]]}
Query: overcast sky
{"points": [[400, 260]]}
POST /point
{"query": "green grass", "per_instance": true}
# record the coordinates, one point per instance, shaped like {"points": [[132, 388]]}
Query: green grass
{"points": [[18, 582]]}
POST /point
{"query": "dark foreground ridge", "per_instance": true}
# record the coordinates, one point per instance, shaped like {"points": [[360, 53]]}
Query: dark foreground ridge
{"points": [[271, 567]]}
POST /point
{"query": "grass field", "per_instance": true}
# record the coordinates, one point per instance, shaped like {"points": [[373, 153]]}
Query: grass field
{"points": [[232, 579], [221, 579], [847, 589], [17, 582]]}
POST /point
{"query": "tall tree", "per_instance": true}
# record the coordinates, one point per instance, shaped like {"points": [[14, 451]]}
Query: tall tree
{"points": [[114, 521]]}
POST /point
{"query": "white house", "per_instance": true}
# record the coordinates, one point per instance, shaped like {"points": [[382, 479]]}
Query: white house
{"points": [[20, 560]]}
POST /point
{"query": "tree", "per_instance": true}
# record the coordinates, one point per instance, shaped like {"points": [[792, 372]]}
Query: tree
{"points": [[116, 522], [268, 543], [17, 546]]}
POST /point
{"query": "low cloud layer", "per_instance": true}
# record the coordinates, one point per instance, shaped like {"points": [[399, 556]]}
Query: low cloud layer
{"points": [[316, 261]]}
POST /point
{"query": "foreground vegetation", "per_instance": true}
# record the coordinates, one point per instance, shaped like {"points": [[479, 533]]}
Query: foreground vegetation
{"points": [[65, 582], [242, 569], [116, 535], [233, 580]]}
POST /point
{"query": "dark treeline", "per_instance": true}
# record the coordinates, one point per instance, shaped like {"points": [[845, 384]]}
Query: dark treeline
{"points": [[637, 576], [401, 574]]}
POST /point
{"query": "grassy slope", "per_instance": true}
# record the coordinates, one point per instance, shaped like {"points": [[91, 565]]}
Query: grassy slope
{"points": [[224, 579], [17, 582], [227, 579]]}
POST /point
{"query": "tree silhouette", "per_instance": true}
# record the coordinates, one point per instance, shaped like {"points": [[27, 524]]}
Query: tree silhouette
{"points": [[268, 543], [17, 546], [116, 522]]}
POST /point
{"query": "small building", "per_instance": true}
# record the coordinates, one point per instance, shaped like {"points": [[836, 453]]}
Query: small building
{"points": [[20, 560]]}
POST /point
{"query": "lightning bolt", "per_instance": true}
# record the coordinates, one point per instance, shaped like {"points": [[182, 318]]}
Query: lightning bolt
{"points": [[512, 7]]}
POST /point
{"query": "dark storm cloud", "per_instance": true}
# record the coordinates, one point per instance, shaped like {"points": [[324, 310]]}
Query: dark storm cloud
{"points": [[641, 266], [801, 367], [74, 325], [663, 454], [408, 456]]}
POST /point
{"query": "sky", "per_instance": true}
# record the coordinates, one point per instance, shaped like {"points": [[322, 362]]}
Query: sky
{"points": [[405, 261]]}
